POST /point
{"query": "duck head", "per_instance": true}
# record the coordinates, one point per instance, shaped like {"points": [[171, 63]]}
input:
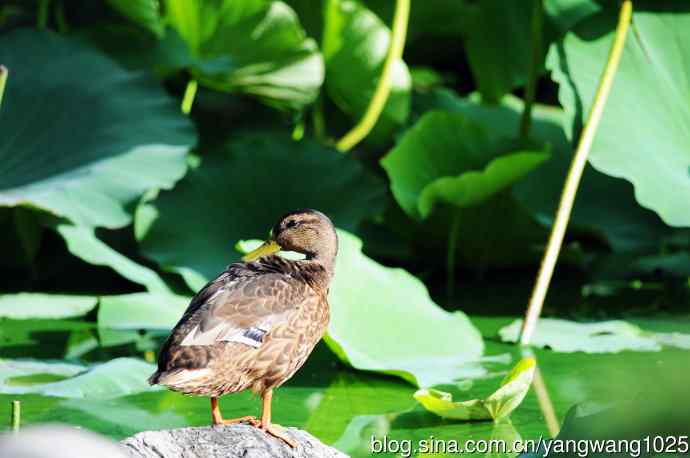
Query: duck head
{"points": [[306, 231]]}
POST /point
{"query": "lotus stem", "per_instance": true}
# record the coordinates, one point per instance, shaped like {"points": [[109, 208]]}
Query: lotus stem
{"points": [[16, 416], [534, 68], [318, 121], [572, 181], [60, 19], [298, 131], [452, 253], [189, 96], [3, 81], [545, 404], [42, 14], [543, 398], [383, 88]]}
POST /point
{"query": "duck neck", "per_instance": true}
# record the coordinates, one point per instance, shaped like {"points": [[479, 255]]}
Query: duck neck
{"points": [[325, 260], [324, 256]]}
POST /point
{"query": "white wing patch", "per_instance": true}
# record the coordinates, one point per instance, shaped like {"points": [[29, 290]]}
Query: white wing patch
{"points": [[253, 337]]}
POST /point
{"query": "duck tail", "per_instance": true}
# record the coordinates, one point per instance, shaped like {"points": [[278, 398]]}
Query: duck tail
{"points": [[155, 378], [178, 378]]}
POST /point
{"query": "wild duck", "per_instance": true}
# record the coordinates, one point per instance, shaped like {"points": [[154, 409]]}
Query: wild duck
{"points": [[255, 325]]}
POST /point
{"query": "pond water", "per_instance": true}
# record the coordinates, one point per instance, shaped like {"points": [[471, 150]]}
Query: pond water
{"points": [[344, 407]]}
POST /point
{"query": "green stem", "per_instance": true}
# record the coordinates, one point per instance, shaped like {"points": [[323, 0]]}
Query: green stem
{"points": [[60, 19], [317, 119], [545, 405], [42, 14], [298, 131], [383, 88], [189, 95], [534, 68], [452, 253], [572, 181], [3, 81], [16, 415]]}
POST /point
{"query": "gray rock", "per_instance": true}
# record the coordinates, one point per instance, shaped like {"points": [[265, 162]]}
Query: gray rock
{"points": [[225, 441]]}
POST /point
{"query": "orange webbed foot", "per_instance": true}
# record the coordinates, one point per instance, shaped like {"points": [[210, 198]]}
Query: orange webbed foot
{"points": [[233, 421], [278, 432]]}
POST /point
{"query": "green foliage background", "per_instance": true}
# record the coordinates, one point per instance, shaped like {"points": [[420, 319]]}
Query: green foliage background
{"points": [[115, 206], [93, 137]]}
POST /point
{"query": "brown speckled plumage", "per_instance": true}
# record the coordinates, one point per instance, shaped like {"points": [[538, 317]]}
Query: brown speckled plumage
{"points": [[255, 325]]}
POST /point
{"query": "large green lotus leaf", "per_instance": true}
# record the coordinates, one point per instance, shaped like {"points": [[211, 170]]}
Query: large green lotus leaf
{"points": [[83, 243], [566, 13], [13, 372], [497, 406], [142, 12], [427, 346], [602, 337], [474, 187], [123, 417], [23, 306], [195, 20], [79, 344], [139, 50], [42, 338], [21, 239], [310, 13], [241, 190], [355, 439], [643, 133], [81, 146], [382, 319], [498, 39], [569, 336], [429, 19], [141, 311], [256, 47], [433, 19], [355, 45], [374, 395], [677, 264], [482, 241], [450, 158], [673, 339], [619, 219], [115, 378]]}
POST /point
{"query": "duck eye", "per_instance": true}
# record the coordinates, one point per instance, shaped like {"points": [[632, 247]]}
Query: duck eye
{"points": [[291, 223]]}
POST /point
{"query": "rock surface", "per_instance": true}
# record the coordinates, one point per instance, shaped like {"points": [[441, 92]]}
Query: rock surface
{"points": [[226, 442]]}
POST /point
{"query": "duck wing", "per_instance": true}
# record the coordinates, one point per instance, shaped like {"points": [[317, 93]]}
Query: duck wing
{"points": [[244, 309]]}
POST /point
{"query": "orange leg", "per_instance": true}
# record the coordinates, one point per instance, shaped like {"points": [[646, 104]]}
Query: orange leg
{"points": [[217, 418], [271, 428]]}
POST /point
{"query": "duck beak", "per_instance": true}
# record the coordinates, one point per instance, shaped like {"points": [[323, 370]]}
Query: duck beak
{"points": [[268, 247]]}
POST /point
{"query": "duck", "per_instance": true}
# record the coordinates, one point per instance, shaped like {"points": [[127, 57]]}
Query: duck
{"points": [[255, 325]]}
